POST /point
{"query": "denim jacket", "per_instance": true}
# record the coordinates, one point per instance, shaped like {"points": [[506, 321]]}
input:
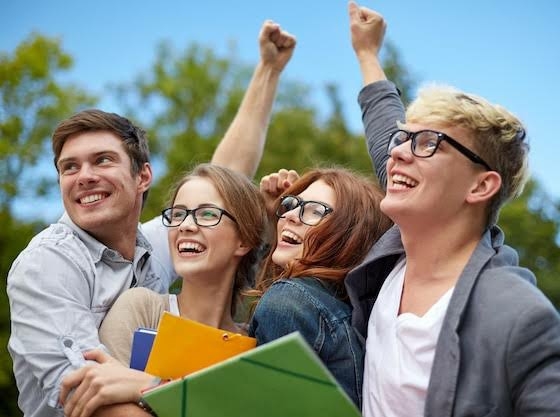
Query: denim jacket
{"points": [[311, 307]]}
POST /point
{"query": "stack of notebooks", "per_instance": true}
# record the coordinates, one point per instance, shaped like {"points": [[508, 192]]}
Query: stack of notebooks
{"points": [[221, 374]]}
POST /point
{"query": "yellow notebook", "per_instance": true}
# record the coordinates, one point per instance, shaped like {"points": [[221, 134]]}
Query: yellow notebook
{"points": [[183, 346]]}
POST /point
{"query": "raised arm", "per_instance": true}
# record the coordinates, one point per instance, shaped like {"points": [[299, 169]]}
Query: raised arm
{"points": [[242, 146], [379, 99]]}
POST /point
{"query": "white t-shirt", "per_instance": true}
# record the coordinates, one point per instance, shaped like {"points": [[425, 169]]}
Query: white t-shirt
{"points": [[173, 305], [399, 352]]}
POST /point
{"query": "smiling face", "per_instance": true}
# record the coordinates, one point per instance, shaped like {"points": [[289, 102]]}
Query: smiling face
{"points": [[209, 253], [429, 191], [290, 231], [99, 191]]}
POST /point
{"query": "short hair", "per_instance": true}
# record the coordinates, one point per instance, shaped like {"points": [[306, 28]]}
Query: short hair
{"points": [[134, 138], [243, 200], [499, 136], [342, 240]]}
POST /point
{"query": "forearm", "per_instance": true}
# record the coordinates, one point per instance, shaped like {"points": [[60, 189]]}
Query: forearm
{"points": [[371, 69], [242, 146], [121, 410]]}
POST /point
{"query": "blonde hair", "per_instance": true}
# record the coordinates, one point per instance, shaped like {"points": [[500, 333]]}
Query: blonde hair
{"points": [[499, 136]]}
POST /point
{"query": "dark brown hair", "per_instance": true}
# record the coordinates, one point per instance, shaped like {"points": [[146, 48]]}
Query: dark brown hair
{"points": [[134, 138]]}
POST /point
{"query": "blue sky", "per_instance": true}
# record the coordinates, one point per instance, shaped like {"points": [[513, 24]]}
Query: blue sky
{"points": [[506, 51]]}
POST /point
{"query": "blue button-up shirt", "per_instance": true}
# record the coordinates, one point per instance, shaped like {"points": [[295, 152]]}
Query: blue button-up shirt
{"points": [[60, 288]]}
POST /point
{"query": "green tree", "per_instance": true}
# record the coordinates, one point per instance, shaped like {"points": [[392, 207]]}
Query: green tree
{"points": [[32, 103], [14, 235], [186, 101], [532, 226]]}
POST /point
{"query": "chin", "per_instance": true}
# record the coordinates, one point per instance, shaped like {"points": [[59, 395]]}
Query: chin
{"points": [[281, 259]]}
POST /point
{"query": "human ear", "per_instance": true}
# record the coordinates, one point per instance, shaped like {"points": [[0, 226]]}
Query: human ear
{"points": [[242, 249], [487, 185], [145, 177]]}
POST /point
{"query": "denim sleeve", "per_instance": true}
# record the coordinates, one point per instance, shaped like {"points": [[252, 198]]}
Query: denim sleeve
{"points": [[284, 309], [288, 306], [51, 320], [381, 109]]}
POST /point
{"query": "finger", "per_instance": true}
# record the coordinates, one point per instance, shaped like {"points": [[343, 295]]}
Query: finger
{"points": [[286, 40], [97, 355], [293, 176], [266, 183], [76, 401], [354, 12], [275, 35], [69, 382], [267, 29], [272, 184]]}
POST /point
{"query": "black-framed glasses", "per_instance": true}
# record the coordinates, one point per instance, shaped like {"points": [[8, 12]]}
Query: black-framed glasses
{"points": [[204, 216], [425, 143], [310, 213]]}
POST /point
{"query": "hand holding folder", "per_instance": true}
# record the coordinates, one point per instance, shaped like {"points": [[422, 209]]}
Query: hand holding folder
{"points": [[283, 378], [183, 346]]}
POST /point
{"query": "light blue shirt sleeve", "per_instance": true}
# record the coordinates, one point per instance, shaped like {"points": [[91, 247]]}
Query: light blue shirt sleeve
{"points": [[55, 311], [156, 234]]}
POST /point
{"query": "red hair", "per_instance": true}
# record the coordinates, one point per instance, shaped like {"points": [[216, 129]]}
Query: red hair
{"points": [[341, 241]]}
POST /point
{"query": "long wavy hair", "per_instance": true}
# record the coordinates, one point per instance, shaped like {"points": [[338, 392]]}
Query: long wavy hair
{"points": [[244, 201], [341, 241]]}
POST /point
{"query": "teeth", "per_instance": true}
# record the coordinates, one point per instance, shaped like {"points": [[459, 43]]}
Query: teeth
{"points": [[290, 237], [91, 198], [401, 179], [190, 247]]}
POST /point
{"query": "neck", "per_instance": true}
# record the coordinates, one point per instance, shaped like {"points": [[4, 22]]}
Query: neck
{"points": [[208, 304], [439, 251], [123, 240]]}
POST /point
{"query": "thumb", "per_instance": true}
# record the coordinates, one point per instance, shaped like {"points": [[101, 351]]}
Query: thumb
{"points": [[97, 355], [353, 10]]}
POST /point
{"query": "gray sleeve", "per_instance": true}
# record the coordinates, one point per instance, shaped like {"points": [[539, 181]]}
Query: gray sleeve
{"points": [[381, 109], [533, 361]]}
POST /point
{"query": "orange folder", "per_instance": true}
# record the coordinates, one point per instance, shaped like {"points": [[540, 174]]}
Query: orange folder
{"points": [[183, 346]]}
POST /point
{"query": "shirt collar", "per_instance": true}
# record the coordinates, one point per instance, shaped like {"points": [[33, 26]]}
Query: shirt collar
{"points": [[98, 249]]}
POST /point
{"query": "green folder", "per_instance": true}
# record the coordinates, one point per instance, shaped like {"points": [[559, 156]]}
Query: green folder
{"points": [[283, 378]]}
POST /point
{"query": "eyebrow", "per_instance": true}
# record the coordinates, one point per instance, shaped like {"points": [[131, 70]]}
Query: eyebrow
{"points": [[94, 155], [182, 206]]}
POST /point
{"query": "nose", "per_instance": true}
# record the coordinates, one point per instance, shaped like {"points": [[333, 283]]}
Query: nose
{"points": [[87, 174], [402, 152], [188, 223], [293, 215]]}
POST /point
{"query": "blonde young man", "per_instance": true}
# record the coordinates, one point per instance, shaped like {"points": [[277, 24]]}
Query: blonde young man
{"points": [[454, 326]]}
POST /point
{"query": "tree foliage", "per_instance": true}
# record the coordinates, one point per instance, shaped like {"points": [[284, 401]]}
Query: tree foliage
{"points": [[32, 103], [186, 101], [532, 226]]}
